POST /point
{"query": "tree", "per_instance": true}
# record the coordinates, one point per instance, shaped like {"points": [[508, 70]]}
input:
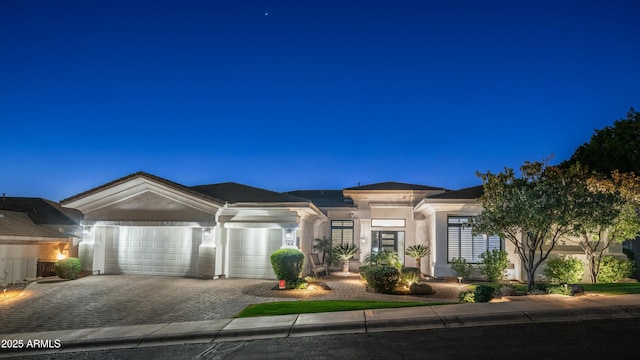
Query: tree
{"points": [[418, 252], [605, 212], [612, 148], [529, 211]]}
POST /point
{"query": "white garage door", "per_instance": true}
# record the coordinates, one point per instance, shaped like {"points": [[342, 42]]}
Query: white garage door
{"points": [[249, 251], [152, 251]]}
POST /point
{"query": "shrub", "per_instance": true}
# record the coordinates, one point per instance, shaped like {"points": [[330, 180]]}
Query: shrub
{"points": [[564, 269], [409, 275], [460, 267], [507, 290], [384, 258], [287, 264], [383, 279], [68, 268], [540, 288], [494, 264], [466, 296], [483, 293], [559, 290], [363, 272], [613, 269]]}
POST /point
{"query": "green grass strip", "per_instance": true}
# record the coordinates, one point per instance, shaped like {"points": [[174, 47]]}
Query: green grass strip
{"points": [[317, 306], [613, 288]]}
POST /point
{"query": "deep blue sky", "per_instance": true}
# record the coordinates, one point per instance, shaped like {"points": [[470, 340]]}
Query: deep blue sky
{"points": [[300, 94]]}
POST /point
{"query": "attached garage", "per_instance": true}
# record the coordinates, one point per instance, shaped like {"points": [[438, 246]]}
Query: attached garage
{"points": [[250, 251], [152, 250]]}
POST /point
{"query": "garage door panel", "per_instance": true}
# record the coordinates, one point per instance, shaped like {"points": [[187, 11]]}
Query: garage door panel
{"points": [[249, 252], [151, 250]]}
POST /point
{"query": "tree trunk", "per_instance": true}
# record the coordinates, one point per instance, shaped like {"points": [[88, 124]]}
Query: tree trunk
{"points": [[418, 266]]}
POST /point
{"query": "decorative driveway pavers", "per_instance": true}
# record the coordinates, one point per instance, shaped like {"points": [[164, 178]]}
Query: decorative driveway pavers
{"points": [[121, 300]]}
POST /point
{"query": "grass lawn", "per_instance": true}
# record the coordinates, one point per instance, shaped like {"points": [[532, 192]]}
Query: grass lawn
{"points": [[316, 306], [613, 289]]}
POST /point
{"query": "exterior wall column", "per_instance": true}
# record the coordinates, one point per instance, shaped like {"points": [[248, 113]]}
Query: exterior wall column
{"points": [[207, 253], [220, 242], [86, 249]]}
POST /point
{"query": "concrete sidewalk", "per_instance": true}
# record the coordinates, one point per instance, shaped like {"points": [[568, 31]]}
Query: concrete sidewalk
{"points": [[510, 310]]}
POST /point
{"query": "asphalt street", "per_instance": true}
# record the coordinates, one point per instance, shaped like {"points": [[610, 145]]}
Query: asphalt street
{"points": [[591, 339]]}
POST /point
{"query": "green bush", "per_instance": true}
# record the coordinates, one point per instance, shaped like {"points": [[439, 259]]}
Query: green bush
{"points": [[540, 288], [409, 275], [613, 269], [559, 290], [384, 258], [494, 264], [460, 267], [363, 272], [483, 293], [564, 269], [383, 279], [287, 264], [68, 268], [466, 296]]}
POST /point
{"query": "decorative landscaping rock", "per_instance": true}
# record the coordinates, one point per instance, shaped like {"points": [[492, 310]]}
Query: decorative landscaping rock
{"points": [[577, 290], [421, 289]]}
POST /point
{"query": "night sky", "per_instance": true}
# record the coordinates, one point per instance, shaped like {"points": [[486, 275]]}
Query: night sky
{"points": [[290, 95]]}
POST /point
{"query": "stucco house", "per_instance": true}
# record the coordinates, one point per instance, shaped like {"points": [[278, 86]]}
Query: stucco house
{"points": [[144, 224], [34, 234]]}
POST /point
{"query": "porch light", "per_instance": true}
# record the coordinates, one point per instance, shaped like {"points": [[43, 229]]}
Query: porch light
{"points": [[61, 256]]}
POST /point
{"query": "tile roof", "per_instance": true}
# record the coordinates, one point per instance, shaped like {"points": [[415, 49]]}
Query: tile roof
{"points": [[238, 193], [14, 223], [390, 185], [472, 193], [324, 198], [42, 211]]}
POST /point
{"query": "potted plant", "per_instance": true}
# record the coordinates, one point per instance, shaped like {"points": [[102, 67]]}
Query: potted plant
{"points": [[345, 252]]}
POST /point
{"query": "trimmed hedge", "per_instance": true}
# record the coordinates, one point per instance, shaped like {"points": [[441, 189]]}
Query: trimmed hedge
{"points": [[287, 264], [383, 279], [68, 268]]}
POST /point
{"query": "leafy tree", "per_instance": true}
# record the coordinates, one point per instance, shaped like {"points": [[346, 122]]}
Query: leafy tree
{"points": [[605, 212], [418, 252], [530, 211], [612, 148]]}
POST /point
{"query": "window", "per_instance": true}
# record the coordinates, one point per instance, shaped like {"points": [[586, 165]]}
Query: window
{"points": [[342, 232], [462, 244]]}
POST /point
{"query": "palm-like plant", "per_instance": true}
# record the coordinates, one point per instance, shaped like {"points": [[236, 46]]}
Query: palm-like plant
{"points": [[418, 252], [325, 245], [345, 252]]}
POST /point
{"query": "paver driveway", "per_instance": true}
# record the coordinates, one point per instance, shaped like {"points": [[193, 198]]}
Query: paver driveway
{"points": [[117, 300]]}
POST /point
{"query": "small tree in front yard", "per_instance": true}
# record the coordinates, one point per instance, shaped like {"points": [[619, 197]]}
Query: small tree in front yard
{"points": [[418, 252], [606, 213], [494, 264], [531, 211]]}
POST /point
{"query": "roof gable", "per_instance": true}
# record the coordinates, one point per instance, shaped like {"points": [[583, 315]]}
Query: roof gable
{"points": [[391, 185], [134, 185]]}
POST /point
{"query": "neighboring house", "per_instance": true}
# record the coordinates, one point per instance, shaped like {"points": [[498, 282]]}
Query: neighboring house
{"points": [[25, 246], [144, 224]]}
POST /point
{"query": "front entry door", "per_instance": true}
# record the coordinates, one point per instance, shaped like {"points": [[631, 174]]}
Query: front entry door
{"points": [[384, 241]]}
